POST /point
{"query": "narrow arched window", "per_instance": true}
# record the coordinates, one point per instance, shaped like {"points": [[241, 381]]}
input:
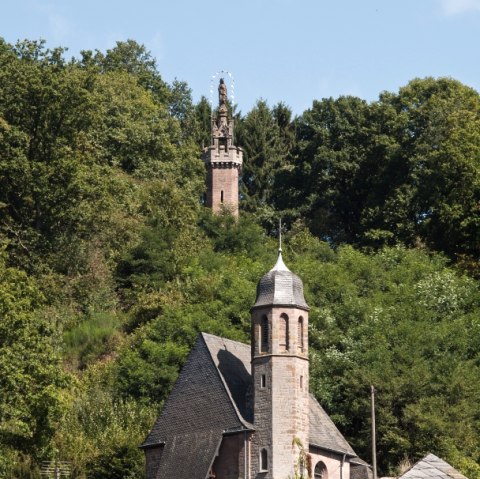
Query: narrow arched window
{"points": [[221, 196], [264, 335], [300, 335], [263, 460], [320, 471], [283, 333]]}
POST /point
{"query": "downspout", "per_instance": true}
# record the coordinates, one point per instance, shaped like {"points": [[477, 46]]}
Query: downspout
{"points": [[341, 466], [249, 441], [245, 455]]}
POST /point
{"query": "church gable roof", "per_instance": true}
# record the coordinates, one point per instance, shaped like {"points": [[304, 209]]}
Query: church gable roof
{"points": [[432, 467], [324, 433], [194, 418]]}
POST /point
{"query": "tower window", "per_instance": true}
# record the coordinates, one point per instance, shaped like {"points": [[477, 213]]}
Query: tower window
{"points": [[300, 335], [221, 196], [264, 335], [301, 382], [283, 333], [263, 381], [263, 460]]}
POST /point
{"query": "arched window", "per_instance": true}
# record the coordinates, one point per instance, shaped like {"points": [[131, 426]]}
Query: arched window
{"points": [[264, 335], [263, 460], [320, 471], [283, 333], [300, 335]]}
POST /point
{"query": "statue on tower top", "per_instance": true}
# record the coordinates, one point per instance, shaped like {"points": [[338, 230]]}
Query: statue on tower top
{"points": [[222, 93]]}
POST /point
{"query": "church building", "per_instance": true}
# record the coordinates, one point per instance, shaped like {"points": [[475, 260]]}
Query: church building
{"points": [[245, 411]]}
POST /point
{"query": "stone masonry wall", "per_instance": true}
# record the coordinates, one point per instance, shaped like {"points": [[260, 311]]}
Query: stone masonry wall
{"points": [[222, 179], [281, 401], [230, 462]]}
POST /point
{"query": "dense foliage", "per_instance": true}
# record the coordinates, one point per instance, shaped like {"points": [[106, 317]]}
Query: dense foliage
{"points": [[110, 266]]}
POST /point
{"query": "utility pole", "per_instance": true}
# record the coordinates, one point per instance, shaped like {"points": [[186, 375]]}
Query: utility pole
{"points": [[374, 441]]}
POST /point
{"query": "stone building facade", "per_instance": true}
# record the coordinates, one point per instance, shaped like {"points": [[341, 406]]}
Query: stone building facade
{"points": [[223, 160]]}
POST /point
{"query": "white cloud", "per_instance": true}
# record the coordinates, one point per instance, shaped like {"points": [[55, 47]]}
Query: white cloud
{"points": [[455, 7]]}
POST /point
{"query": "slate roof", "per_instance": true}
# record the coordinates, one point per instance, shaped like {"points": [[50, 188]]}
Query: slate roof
{"points": [[432, 467], [280, 287], [195, 416], [212, 396], [324, 433]]}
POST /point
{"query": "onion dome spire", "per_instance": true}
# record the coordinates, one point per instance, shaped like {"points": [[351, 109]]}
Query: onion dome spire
{"points": [[280, 287]]}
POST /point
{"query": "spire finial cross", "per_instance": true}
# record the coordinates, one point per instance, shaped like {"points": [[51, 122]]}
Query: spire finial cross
{"points": [[280, 235]]}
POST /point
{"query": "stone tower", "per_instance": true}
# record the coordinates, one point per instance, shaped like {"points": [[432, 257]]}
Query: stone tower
{"points": [[280, 374], [223, 160]]}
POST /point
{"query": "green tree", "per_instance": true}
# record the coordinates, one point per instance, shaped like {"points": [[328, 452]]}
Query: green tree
{"points": [[31, 378], [132, 58], [263, 136], [440, 161]]}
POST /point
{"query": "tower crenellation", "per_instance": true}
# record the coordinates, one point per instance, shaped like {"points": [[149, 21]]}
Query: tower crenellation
{"points": [[223, 160]]}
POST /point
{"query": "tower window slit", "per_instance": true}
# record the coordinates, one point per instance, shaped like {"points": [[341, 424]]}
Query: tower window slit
{"points": [[263, 460], [221, 196], [283, 333], [300, 334], [264, 335]]}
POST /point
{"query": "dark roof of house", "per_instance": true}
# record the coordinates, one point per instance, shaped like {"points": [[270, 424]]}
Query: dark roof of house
{"points": [[211, 397], [324, 433], [432, 467], [194, 418]]}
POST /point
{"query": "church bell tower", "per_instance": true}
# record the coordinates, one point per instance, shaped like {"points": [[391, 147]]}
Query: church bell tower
{"points": [[223, 160], [280, 375]]}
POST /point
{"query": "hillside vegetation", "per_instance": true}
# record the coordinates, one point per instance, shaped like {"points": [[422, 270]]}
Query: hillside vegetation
{"points": [[110, 265]]}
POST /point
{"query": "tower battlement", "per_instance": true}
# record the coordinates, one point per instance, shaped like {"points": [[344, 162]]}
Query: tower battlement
{"points": [[213, 156]]}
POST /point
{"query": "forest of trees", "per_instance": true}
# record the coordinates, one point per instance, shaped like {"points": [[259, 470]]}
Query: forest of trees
{"points": [[110, 265]]}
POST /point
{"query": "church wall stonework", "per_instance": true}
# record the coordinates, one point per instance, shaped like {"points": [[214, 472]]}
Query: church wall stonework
{"points": [[230, 462], [281, 397]]}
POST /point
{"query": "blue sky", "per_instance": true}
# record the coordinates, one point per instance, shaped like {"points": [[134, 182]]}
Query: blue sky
{"points": [[279, 50]]}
